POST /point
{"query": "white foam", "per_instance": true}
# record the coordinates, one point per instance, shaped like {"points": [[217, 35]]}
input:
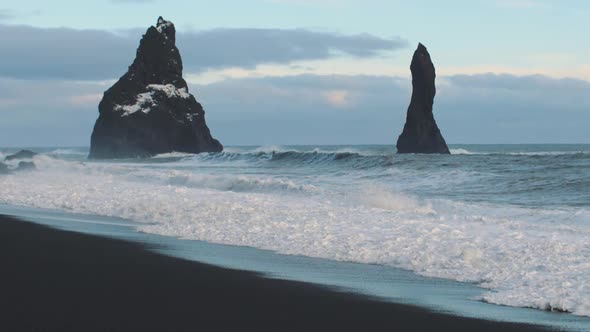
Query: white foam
{"points": [[279, 149], [460, 151], [238, 183], [68, 152], [271, 149], [526, 257], [547, 153], [382, 198], [173, 155], [354, 151], [223, 182]]}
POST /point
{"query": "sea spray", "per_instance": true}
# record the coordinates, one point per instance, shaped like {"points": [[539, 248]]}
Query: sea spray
{"points": [[518, 225]]}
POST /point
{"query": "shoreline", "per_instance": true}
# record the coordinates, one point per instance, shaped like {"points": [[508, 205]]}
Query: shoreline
{"points": [[60, 280]]}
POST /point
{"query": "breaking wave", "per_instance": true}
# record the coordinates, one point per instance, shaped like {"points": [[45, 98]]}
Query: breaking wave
{"points": [[450, 217]]}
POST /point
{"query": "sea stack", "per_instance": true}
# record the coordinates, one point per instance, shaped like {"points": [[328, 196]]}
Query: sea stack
{"points": [[421, 134], [150, 110]]}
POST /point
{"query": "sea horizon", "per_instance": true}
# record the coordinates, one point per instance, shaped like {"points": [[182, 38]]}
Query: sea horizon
{"points": [[391, 170]]}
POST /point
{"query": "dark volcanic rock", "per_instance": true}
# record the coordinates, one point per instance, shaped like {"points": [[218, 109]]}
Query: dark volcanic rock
{"points": [[421, 134], [26, 166], [22, 154], [149, 110]]}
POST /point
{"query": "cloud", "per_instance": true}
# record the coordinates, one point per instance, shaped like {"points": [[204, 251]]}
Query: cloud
{"points": [[304, 92], [394, 65], [518, 84], [338, 98], [85, 100], [493, 108], [310, 109], [63, 53], [322, 109], [48, 112], [249, 47], [533, 95]]}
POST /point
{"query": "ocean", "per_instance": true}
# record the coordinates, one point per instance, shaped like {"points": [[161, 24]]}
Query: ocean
{"points": [[513, 220]]}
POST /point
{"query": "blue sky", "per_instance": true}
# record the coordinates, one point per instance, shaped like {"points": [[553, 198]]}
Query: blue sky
{"points": [[307, 71]]}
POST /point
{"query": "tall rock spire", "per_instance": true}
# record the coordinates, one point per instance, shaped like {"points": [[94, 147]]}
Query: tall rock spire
{"points": [[150, 110], [421, 134]]}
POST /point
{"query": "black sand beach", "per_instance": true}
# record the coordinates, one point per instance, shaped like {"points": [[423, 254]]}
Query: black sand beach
{"points": [[52, 280]]}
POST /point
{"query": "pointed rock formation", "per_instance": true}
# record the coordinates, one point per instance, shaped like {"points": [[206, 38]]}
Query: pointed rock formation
{"points": [[150, 110], [421, 134]]}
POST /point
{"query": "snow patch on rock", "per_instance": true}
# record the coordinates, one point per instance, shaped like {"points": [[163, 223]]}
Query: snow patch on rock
{"points": [[143, 103], [170, 90]]}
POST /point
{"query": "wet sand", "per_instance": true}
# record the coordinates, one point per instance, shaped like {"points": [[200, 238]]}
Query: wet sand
{"points": [[53, 280]]}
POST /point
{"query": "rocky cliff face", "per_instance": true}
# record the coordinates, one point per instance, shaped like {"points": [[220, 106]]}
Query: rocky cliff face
{"points": [[150, 110], [421, 134]]}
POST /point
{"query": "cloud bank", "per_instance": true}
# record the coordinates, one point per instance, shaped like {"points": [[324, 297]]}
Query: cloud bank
{"points": [[64, 53], [312, 109]]}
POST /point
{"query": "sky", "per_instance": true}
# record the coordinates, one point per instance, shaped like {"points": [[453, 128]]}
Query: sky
{"points": [[283, 72]]}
